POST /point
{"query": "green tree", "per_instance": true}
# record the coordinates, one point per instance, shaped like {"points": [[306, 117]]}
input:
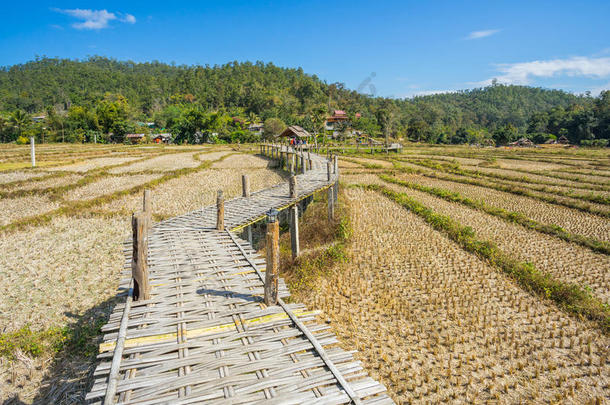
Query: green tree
{"points": [[505, 134], [273, 127], [112, 114], [21, 122]]}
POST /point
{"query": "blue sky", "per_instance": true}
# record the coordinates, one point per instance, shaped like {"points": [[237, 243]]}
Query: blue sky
{"points": [[389, 48]]}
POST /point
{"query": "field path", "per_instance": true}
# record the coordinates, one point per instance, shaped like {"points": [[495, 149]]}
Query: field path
{"points": [[206, 336]]}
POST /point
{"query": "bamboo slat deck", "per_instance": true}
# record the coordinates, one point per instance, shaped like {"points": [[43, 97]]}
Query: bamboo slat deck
{"points": [[206, 336]]}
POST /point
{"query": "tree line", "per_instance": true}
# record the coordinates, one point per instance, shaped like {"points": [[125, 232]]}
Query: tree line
{"points": [[104, 99]]}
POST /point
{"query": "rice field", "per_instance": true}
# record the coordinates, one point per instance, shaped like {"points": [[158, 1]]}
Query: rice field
{"points": [[61, 236], [432, 320], [437, 324]]}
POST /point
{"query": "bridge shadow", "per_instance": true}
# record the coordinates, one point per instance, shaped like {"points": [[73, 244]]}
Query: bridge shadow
{"points": [[234, 294], [70, 374]]}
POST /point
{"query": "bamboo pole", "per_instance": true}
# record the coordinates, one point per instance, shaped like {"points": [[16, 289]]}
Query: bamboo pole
{"points": [[147, 203], [292, 184], [139, 266], [33, 151], [273, 258], [220, 211], [331, 203], [245, 185], [294, 231]]}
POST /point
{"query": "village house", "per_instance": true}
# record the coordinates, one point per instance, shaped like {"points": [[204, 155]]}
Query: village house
{"points": [[135, 138], [162, 138]]}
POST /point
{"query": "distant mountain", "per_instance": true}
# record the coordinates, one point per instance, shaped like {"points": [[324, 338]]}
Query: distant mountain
{"points": [[262, 89]]}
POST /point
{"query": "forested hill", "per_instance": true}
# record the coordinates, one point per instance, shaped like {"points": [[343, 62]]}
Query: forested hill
{"points": [[263, 91]]}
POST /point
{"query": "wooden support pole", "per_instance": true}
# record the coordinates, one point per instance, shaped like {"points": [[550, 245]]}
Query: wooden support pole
{"points": [[336, 191], [245, 185], [331, 204], [303, 167], [147, 203], [273, 258], [220, 211], [309, 164], [139, 266], [33, 151], [336, 164], [294, 230], [328, 170], [292, 163], [292, 184]]}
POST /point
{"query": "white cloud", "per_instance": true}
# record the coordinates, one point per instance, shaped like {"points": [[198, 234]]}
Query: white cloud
{"points": [[522, 73], [481, 34], [95, 19], [128, 18]]}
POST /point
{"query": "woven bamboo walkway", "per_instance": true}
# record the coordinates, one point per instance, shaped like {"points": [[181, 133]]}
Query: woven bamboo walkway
{"points": [[206, 336]]}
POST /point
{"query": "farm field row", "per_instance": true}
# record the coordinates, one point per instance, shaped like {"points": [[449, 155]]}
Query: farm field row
{"points": [[573, 220], [435, 323], [565, 261]]}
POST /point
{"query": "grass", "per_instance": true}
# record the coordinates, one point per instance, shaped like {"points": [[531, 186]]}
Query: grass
{"points": [[78, 340], [514, 217], [323, 243], [572, 298], [6, 166]]}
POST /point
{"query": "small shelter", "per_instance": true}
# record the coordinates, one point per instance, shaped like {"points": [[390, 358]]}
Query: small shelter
{"points": [[522, 142], [162, 138], [563, 140], [135, 138], [256, 128], [295, 131]]}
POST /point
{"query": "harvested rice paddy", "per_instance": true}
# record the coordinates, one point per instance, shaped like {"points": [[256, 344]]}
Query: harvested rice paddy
{"points": [[432, 317]]}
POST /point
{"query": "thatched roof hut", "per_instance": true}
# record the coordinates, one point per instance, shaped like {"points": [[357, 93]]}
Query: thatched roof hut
{"points": [[295, 131], [522, 142]]}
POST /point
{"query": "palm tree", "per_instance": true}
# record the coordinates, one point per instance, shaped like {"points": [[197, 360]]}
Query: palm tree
{"points": [[20, 120]]}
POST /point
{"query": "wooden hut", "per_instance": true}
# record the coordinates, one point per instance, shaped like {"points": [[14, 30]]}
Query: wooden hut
{"points": [[295, 131], [135, 138], [523, 142]]}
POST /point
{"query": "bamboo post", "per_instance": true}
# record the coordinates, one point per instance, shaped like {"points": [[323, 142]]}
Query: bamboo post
{"points": [[331, 203], [292, 163], [292, 184], [33, 151], [245, 186], [220, 211], [303, 167], [335, 164], [328, 169], [139, 267], [273, 258], [336, 190], [147, 203], [294, 230]]}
